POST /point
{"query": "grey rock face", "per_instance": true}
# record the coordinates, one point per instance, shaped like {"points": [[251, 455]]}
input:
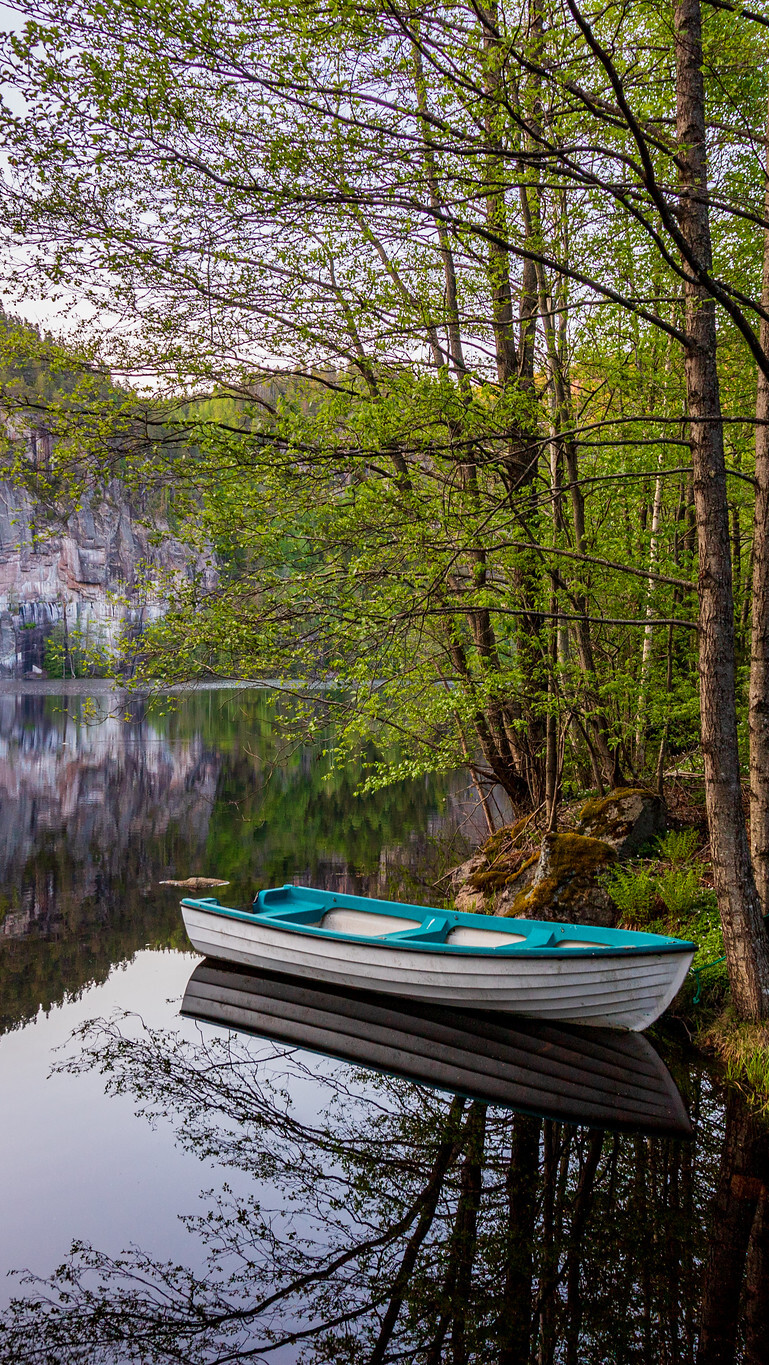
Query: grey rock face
{"points": [[519, 885], [564, 881], [94, 573], [8, 646], [626, 819], [466, 898]]}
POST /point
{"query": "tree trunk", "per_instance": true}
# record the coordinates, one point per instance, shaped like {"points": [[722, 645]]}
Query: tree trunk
{"points": [[548, 1274], [461, 1252], [757, 1285], [446, 1154], [515, 1315], [646, 652], [740, 1187], [582, 1206], [759, 651], [745, 941]]}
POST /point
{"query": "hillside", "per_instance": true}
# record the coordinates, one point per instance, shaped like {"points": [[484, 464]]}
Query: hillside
{"points": [[76, 567]]}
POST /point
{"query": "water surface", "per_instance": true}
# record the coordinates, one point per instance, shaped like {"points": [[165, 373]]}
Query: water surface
{"points": [[235, 1198]]}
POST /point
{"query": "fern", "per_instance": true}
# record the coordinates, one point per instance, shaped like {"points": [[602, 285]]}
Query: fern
{"points": [[679, 889], [678, 845], [632, 891]]}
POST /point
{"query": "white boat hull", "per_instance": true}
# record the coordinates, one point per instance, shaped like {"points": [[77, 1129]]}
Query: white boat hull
{"points": [[611, 990]]}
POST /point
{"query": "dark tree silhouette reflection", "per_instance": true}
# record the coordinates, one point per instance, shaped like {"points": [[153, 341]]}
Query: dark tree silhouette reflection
{"points": [[395, 1223]]}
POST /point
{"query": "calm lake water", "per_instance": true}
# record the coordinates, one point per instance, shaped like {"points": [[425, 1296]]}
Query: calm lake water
{"points": [[181, 1192]]}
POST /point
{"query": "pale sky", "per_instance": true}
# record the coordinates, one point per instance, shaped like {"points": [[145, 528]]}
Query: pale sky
{"points": [[48, 315]]}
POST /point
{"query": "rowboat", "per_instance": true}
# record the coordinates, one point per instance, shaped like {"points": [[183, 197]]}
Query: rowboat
{"points": [[603, 978], [596, 1077]]}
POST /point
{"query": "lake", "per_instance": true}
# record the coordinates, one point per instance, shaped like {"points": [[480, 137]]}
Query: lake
{"points": [[179, 1191]]}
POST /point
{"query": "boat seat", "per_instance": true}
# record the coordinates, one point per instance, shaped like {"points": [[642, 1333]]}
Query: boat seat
{"points": [[465, 936], [579, 943], [367, 923]]}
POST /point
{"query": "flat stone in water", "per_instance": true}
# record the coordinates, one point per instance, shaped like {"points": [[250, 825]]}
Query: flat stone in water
{"points": [[196, 883]]}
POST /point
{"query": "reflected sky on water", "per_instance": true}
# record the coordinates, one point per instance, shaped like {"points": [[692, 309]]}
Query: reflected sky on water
{"points": [[275, 1203]]}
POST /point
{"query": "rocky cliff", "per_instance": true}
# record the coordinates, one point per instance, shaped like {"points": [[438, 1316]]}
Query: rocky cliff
{"points": [[86, 576]]}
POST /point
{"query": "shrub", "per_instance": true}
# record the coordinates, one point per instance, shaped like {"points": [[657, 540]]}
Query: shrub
{"points": [[78, 654], [632, 890], [54, 658], [705, 927], [679, 889], [678, 845]]}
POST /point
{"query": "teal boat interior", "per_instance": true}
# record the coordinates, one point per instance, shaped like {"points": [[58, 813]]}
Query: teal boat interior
{"points": [[305, 910]]}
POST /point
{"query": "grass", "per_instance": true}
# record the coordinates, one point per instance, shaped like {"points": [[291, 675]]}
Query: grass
{"points": [[744, 1050]]}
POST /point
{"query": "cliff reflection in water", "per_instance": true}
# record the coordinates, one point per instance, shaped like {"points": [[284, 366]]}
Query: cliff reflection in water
{"points": [[93, 807], [101, 799], [387, 1222]]}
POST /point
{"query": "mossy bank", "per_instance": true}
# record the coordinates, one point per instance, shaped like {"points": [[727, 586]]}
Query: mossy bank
{"points": [[630, 861]]}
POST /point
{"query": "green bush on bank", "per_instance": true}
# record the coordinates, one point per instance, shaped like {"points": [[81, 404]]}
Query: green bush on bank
{"points": [[667, 893], [76, 654]]}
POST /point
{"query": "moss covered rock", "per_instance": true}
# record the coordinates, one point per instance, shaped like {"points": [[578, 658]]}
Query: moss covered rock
{"points": [[517, 884], [564, 886], [467, 896], [626, 819], [501, 867]]}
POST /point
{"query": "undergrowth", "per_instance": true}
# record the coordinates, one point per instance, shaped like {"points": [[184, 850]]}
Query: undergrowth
{"points": [[678, 845], [679, 889], [744, 1050], [666, 893]]}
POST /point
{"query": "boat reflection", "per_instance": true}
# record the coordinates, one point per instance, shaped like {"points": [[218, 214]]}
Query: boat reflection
{"points": [[595, 1077]]}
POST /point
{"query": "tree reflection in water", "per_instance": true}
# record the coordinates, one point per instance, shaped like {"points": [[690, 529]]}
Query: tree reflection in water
{"points": [[399, 1224]]}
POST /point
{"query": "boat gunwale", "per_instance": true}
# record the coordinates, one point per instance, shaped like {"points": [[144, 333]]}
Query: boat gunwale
{"points": [[642, 944]]}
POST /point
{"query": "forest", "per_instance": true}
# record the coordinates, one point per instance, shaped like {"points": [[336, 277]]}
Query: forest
{"points": [[444, 330]]}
